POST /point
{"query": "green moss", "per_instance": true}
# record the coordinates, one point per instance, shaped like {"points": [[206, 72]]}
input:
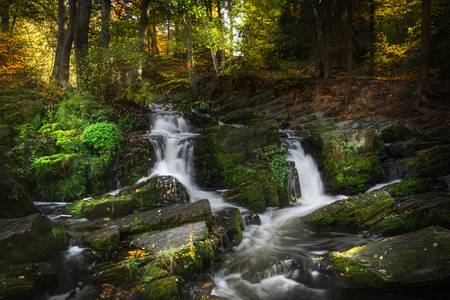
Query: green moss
{"points": [[433, 162], [118, 274], [407, 187], [163, 289], [152, 273], [356, 270], [106, 206]]}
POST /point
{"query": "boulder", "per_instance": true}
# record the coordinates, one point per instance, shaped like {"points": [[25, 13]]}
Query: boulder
{"points": [[31, 239], [104, 240], [228, 224], [27, 280], [395, 209], [413, 259], [168, 288], [293, 184], [165, 217], [428, 163], [118, 274], [152, 273], [159, 192], [106, 206], [171, 239]]}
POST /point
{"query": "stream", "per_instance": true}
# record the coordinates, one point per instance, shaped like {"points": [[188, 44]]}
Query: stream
{"points": [[275, 260]]}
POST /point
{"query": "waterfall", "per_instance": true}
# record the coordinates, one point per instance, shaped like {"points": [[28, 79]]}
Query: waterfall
{"points": [[173, 139], [261, 244]]}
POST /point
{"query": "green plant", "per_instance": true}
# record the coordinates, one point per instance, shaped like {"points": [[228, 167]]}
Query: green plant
{"points": [[275, 155]]}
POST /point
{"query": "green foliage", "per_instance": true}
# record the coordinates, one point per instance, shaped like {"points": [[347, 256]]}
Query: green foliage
{"points": [[276, 157], [102, 138]]}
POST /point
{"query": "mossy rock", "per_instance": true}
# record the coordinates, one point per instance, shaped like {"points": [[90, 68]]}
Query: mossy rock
{"points": [[354, 212], [20, 238], [168, 288], [103, 207], [27, 280], [397, 132], [416, 258], [429, 163], [351, 160], [159, 191], [229, 225], [119, 274], [152, 273], [103, 240]]}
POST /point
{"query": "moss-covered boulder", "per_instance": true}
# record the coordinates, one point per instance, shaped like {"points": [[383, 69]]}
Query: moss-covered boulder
{"points": [[168, 288], [158, 192], [171, 239], [27, 280], [246, 160], [104, 240], [428, 163], [416, 258], [31, 239], [165, 217], [152, 273], [119, 274], [103, 207], [228, 224], [351, 160], [395, 209]]}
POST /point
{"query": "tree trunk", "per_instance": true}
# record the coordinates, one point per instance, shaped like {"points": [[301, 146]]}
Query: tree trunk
{"points": [[190, 49], [59, 40], [231, 26], [168, 37], [4, 12], [154, 40], [220, 53], [67, 46], [372, 39], [81, 36], [143, 23], [349, 52], [426, 49], [105, 35]]}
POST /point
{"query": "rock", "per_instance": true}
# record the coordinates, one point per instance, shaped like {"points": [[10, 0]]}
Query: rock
{"points": [[252, 219], [171, 239], [158, 192], [228, 224], [25, 281], [293, 183], [103, 207], [402, 149], [163, 289], [428, 163], [165, 217], [413, 259], [397, 132], [21, 237], [152, 273], [351, 160], [229, 154], [392, 210], [118, 274], [104, 240]]}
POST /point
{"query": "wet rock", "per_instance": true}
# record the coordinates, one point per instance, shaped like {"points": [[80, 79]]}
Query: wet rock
{"points": [[104, 240], [171, 239], [163, 289], [395, 209], [402, 149], [21, 237], [428, 163], [158, 192], [293, 183], [228, 224], [396, 132], [252, 219], [103, 207], [27, 280], [165, 217], [152, 273], [416, 258], [118, 274]]}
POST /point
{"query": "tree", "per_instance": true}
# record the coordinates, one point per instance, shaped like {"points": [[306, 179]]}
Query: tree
{"points": [[425, 49], [349, 38], [60, 40], [372, 38], [143, 23], [4, 14], [81, 35], [64, 65], [105, 36]]}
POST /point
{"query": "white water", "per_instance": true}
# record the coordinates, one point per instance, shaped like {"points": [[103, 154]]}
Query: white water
{"points": [[173, 141], [261, 240], [382, 185]]}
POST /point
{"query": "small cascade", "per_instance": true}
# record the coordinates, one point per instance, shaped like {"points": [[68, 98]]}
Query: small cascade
{"points": [[173, 139], [268, 249]]}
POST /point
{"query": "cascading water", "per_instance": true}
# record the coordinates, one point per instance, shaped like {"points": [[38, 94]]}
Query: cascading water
{"points": [[173, 140], [259, 267]]}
